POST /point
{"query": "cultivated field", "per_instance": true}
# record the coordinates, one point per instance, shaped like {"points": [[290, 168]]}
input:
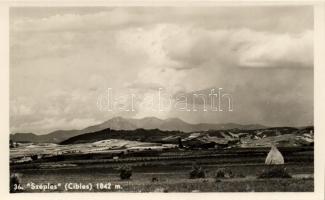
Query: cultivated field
{"points": [[168, 170]]}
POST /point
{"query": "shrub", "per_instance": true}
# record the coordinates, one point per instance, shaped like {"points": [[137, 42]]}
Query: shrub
{"points": [[239, 175], [11, 144], [15, 180], [274, 172], [180, 144], [224, 173], [197, 172], [59, 157], [217, 180], [125, 172], [154, 179], [34, 157]]}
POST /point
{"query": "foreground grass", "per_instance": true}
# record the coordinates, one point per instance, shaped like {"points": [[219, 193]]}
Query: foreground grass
{"points": [[266, 185], [210, 185], [171, 174], [173, 182]]}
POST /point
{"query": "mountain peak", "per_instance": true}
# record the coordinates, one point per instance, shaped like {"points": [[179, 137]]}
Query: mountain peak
{"points": [[175, 119]]}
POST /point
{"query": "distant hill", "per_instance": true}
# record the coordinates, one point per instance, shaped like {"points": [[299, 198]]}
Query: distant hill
{"points": [[53, 137], [280, 136], [143, 135], [119, 123], [25, 137]]}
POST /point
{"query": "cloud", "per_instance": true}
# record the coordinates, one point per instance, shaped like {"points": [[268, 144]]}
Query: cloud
{"points": [[282, 50], [270, 96], [62, 59], [22, 110], [185, 38], [240, 48], [49, 124], [71, 22], [144, 86], [284, 18]]}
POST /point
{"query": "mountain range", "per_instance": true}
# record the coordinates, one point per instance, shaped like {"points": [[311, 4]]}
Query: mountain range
{"points": [[119, 123]]}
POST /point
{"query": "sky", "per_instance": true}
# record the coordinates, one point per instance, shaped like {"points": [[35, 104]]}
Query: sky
{"points": [[64, 60]]}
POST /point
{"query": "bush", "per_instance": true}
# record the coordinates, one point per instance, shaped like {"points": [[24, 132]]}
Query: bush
{"points": [[224, 173], [154, 179], [274, 172], [240, 176], [34, 157], [59, 157], [125, 172], [15, 180], [197, 172]]}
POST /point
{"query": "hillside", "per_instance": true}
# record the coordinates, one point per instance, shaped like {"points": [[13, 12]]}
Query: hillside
{"points": [[143, 135], [280, 136]]}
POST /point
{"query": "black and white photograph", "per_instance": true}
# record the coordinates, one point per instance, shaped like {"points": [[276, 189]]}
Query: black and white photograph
{"points": [[167, 99]]}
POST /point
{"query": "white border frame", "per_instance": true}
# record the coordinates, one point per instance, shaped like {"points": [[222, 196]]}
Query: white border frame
{"points": [[319, 98]]}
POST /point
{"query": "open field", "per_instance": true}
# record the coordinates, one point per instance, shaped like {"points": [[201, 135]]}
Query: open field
{"points": [[172, 181], [170, 171]]}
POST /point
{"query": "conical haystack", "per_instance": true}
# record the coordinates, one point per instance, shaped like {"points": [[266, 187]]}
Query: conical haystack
{"points": [[274, 157]]}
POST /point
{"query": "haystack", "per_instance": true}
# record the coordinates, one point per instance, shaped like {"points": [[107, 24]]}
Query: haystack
{"points": [[274, 157]]}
